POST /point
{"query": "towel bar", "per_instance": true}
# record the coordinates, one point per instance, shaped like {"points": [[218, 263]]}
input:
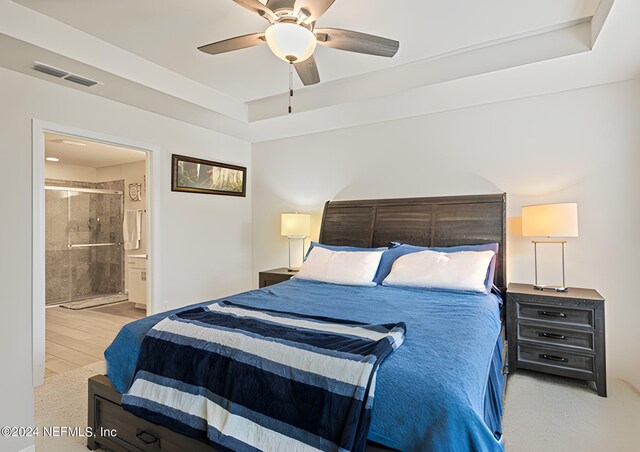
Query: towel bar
{"points": [[88, 245]]}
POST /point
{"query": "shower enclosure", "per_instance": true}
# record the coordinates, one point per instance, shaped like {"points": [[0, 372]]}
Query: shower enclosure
{"points": [[83, 232]]}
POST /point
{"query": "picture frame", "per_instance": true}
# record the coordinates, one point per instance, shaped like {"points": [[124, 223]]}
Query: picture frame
{"points": [[135, 192], [194, 175]]}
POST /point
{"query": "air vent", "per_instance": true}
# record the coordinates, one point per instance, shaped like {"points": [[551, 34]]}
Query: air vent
{"points": [[49, 70], [80, 80], [59, 73]]}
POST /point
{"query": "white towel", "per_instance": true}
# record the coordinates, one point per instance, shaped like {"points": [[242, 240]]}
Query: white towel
{"points": [[132, 229]]}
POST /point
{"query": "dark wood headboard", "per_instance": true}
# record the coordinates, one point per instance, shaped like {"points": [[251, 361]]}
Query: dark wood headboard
{"points": [[441, 221]]}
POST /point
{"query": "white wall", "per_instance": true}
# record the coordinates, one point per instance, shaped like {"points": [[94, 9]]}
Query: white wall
{"points": [[206, 240], [582, 146], [65, 171]]}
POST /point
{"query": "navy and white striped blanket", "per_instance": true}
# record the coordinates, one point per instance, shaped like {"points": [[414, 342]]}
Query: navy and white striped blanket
{"points": [[245, 379]]}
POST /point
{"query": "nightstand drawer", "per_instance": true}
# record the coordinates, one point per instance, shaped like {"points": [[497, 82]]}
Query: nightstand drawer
{"points": [[538, 357], [546, 335], [555, 314]]}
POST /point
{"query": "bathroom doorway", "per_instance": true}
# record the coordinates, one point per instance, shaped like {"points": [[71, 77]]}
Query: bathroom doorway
{"points": [[95, 247], [93, 224]]}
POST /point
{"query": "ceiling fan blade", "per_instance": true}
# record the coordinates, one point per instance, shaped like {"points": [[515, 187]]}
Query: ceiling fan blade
{"points": [[312, 9], [354, 41], [231, 44], [308, 71], [257, 7]]}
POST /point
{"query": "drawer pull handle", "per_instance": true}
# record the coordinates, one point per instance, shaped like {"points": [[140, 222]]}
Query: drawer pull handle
{"points": [[552, 313], [552, 335], [145, 437], [553, 358]]}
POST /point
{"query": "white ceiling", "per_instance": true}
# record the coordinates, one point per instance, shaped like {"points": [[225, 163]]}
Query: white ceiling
{"points": [[497, 52], [168, 32], [94, 154]]}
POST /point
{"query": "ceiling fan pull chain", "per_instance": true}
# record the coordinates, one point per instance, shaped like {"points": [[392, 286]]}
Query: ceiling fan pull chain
{"points": [[290, 85]]}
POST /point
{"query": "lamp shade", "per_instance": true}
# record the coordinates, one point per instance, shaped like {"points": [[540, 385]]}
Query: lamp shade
{"points": [[550, 220], [290, 42], [296, 225]]}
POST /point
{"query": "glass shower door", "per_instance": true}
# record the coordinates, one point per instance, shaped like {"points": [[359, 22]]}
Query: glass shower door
{"points": [[85, 256], [57, 253], [80, 250], [95, 239]]}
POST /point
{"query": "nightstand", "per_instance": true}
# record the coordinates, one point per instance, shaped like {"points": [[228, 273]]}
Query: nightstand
{"points": [[560, 333], [275, 276]]}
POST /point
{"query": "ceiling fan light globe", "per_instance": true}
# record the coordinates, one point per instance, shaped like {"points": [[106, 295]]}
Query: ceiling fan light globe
{"points": [[290, 42]]}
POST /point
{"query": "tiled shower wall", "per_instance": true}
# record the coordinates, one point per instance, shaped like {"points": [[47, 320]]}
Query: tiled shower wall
{"points": [[83, 218]]}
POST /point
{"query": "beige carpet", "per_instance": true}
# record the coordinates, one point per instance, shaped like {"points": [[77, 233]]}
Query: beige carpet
{"points": [[554, 414], [62, 401], [543, 414]]}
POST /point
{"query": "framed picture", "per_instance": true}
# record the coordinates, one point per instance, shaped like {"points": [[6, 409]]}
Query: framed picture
{"points": [[135, 192], [194, 175]]}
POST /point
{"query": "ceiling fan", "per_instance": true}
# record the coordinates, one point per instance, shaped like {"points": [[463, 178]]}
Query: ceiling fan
{"points": [[292, 35]]}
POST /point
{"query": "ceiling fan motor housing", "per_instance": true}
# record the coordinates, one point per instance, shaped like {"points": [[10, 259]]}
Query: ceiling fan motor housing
{"points": [[281, 5]]}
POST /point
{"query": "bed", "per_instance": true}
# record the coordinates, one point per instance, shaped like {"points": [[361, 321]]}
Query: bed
{"points": [[441, 390]]}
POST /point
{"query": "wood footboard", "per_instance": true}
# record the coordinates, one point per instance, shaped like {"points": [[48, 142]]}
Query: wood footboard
{"points": [[120, 430]]}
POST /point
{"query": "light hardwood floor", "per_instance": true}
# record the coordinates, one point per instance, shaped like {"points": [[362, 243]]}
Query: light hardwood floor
{"points": [[78, 338]]}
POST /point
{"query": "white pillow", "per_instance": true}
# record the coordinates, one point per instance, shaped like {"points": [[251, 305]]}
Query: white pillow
{"points": [[462, 270], [353, 268]]}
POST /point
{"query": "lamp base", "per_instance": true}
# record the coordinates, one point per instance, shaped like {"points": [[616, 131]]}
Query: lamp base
{"points": [[537, 286], [296, 252], [552, 288]]}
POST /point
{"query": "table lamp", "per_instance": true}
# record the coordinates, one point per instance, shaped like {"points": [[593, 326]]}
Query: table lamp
{"points": [[296, 227], [550, 220]]}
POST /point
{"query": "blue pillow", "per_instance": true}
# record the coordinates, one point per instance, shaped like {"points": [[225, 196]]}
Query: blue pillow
{"points": [[377, 279], [389, 257]]}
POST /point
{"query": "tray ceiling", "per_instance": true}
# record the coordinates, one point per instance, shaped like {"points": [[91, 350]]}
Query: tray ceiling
{"points": [[453, 55], [168, 32]]}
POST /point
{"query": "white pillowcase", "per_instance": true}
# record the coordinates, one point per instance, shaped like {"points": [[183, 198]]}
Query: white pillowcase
{"points": [[353, 268], [462, 270]]}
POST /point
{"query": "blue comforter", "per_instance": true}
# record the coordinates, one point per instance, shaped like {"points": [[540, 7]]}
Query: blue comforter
{"points": [[431, 394]]}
